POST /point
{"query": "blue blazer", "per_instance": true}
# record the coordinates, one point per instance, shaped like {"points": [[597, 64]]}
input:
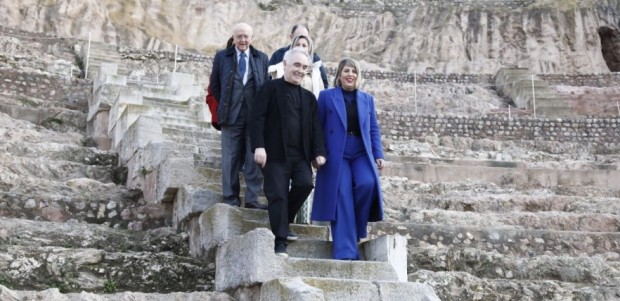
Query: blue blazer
{"points": [[333, 118]]}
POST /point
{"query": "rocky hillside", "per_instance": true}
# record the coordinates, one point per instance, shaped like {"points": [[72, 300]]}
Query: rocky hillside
{"points": [[413, 35]]}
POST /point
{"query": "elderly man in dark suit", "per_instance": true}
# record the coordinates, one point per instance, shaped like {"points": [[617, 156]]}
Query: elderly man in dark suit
{"points": [[286, 137], [238, 72]]}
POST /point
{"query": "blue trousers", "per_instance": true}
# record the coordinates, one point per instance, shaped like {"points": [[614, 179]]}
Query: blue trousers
{"points": [[356, 190]]}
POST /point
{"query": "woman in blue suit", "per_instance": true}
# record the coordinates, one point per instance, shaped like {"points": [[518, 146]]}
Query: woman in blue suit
{"points": [[347, 192]]}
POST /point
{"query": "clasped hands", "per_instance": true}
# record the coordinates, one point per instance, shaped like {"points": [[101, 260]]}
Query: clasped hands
{"points": [[260, 157]]}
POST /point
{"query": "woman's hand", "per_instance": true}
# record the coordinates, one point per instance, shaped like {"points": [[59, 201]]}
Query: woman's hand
{"points": [[380, 163], [318, 162]]}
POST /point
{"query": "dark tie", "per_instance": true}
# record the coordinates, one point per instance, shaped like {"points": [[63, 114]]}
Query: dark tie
{"points": [[242, 64]]}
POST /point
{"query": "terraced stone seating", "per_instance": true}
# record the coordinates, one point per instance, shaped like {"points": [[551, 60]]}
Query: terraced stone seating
{"points": [[534, 221]]}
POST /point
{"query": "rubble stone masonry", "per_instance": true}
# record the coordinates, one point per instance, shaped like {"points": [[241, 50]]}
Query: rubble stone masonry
{"points": [[407, 126], [45, 86]]}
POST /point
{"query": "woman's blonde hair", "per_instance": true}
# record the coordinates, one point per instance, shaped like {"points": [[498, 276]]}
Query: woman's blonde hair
{"points": [[310, 44], [351, 63]]}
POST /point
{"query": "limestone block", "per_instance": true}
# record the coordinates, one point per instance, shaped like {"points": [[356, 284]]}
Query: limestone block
{"points": [[191, 201], [214, 227], [319, 288], [173, 173], [144, 130], [126, 96], [97, 129], [390, 248], [247, 260], [179, 79], [108, 68], [414, 291], [130, 114], [53, 294], [142, 164], [290, 289], [103, 97]]}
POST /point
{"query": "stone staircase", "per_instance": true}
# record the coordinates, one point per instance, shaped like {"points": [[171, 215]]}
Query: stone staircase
{"points": [[502, 228], [68, 225], [100, 53], [516, 84]]}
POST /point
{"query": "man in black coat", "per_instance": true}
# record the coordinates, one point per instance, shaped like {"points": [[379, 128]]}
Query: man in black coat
{"points": [[286, 138]]}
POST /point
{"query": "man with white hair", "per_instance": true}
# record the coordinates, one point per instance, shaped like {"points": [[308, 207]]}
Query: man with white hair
{"points": [[238, 72], [286, 138]]}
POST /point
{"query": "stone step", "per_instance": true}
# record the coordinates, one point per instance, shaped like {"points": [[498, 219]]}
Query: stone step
{"points": [[555, 110], [552, 221], [595, 270], [79, 269], [38, 233], [207, 146], [67, 202], [308, 234], [449, 284], [249, 259], [458, 162], [528, 177], [213, 160], [493, 201], [61, 118], [165, 97], [58, 170], [185, 122], [502, 162], [180, 107], [56, 294], [315, 288], [174, 114], [203, 134], [532, 153], [59, 152], [159, 99], [513, 242], [201, 127], [100, 57], [221, 222], [165, 103]]}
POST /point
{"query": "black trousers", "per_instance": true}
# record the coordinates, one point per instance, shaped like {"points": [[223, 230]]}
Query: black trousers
{"points": [[286, 186]]}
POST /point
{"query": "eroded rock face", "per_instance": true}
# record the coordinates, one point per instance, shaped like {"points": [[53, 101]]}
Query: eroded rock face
{"points": [[422, 36]]}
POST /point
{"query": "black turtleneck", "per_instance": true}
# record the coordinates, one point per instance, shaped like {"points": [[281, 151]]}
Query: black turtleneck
{"points": [[350, 102]]}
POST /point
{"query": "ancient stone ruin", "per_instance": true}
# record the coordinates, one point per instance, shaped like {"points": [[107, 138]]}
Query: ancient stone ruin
{"points": [[502, 183]]}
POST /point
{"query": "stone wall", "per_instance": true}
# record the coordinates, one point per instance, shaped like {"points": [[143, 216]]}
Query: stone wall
{"points": [[426, 78], [578, 80], [75, 92], [358, 8], [182, 55], [407, 126]]}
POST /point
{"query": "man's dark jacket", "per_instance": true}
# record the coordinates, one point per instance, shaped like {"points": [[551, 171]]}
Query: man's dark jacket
{"points": [[268, 123], [278, 56], [224, 68]]}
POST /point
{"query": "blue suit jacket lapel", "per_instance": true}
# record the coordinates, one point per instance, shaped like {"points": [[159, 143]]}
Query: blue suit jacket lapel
{"points": [[338, 100], [362, 109]]}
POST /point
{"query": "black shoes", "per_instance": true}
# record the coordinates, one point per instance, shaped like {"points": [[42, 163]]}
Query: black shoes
{"points": [[280, 250], [291, 236], [256, 205]]}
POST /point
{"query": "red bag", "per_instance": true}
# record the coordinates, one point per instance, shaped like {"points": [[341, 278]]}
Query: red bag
{"points": [[212, 104]]}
